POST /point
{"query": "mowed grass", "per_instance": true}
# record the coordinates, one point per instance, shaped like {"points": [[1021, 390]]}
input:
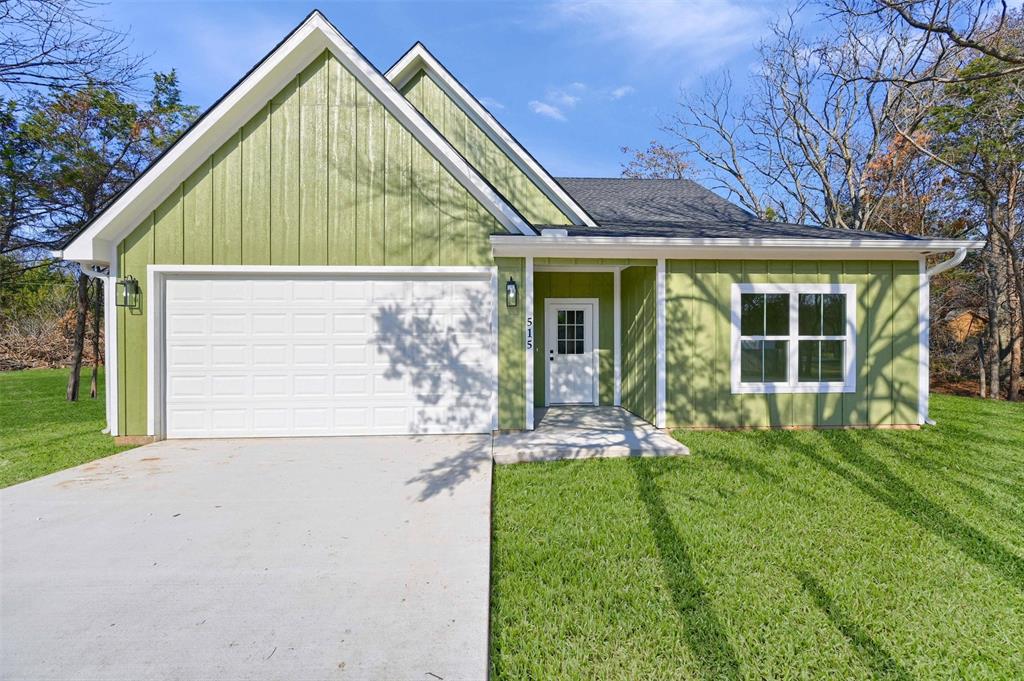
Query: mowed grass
{"points": [[812, 554], [41, 432]]}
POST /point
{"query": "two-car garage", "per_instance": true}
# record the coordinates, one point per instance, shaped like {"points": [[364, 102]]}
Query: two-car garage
{"points": [[323, 352]]}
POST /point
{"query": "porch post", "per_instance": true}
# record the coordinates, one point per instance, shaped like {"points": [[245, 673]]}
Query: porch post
{"points": [[617, 321], [659, 420], [530, 339]]}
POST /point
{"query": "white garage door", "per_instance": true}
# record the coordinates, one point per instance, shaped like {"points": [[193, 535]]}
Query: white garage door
{"points": [[328, 356]]}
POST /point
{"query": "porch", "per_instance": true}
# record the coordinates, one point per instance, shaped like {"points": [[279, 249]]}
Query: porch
{"points": [[584, 432]]}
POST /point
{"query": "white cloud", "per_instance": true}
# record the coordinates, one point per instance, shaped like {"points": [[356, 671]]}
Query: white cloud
{"points": [[709, 31], [492, 104], [561, 98], [622, 91], [545, 109]]}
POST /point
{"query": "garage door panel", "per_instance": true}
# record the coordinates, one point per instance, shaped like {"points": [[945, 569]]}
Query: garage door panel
{"points": [[278, 356]]}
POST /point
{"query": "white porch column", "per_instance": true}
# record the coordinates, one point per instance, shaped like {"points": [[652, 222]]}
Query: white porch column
{"points": [[659, 420], [530, 340], [617, 321], [923, 311]]}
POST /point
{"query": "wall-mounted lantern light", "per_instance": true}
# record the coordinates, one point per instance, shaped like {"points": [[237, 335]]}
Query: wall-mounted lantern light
{"points": [[511, 293], [127, 292]]}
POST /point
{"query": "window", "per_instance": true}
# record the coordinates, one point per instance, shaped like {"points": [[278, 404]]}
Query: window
{"points": [[570, 332], [793, 338]]}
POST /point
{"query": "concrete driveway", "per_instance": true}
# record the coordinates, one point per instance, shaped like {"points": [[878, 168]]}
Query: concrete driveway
{"points": [[320, 558]]}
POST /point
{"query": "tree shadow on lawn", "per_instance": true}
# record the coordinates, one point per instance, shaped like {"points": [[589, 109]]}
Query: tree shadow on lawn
{"points": [[881, 663], [875, 479], [705, 634]]}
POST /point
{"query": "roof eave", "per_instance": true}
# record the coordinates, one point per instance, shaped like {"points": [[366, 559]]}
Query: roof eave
{"points": [[768, 248]]}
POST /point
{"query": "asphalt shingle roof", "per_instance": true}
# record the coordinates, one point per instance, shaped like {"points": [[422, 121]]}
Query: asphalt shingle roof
{"points": [[678, 208]]}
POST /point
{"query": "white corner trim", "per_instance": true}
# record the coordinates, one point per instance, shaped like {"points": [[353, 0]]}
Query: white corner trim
{"points": [[792, 384], [530, 332], [660, 302], [111, 331], [311, 38], [617, 351], [595, 337], [419, 57], [495, 349], [923, 343]]}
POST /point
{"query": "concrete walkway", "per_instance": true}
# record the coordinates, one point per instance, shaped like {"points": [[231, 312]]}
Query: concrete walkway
{"points": [[341, 558], [583, 433]]}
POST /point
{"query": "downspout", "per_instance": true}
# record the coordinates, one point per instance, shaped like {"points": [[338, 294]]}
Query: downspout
{"points": [[958, 257]]}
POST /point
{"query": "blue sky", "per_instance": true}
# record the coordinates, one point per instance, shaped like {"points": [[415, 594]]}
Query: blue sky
{"points": [[574, 81]]}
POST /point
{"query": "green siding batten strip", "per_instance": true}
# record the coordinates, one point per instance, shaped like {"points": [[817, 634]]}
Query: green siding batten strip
{"points": [[511, 351], [302, 182], [639, 341]]}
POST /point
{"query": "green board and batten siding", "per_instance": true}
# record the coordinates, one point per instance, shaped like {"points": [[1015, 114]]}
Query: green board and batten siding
{"points": [[639, 341], [323, 175], [698, 341], [486, 156]]}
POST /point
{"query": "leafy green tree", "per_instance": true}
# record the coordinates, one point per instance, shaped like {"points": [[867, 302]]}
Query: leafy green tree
{"points": [[92, 142]]}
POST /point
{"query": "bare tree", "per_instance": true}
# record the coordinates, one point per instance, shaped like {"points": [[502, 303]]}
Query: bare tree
{"points": [[58, 44], [656, 162], [802, 146], [945, 29]]}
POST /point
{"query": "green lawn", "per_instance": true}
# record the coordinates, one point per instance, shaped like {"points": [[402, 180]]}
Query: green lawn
{"points": [[41, 432], [829, 554]]}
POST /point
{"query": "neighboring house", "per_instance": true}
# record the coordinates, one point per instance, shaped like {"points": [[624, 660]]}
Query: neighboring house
{"points": [[330, 250]]}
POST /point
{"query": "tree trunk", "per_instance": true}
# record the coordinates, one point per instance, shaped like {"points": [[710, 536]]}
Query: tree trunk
{"points": [[96, 312], [993, 345], [982, 383], [81, 310]]}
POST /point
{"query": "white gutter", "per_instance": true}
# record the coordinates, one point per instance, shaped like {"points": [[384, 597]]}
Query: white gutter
{"points": [[957, 258], [743, 248]]}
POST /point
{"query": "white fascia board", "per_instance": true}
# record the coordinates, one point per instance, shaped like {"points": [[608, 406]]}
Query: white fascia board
{"points": [[253, 93], [731, 248], [419, 57]]}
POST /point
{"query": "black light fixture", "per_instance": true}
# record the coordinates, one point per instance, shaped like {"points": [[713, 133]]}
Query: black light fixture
{"points": [[511, 293], [127, 292]]}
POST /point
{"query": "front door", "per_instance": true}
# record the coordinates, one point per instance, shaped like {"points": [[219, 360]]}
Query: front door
{"points": [[569, 344]]}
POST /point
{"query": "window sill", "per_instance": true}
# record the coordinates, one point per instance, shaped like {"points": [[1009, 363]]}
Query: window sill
{"points": [[789, 388]]}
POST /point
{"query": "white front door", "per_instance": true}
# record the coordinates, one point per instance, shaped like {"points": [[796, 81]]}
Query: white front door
{"points": [[569, 344]]}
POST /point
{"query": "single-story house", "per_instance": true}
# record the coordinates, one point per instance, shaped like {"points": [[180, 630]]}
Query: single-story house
{"points": [[334, 250]]}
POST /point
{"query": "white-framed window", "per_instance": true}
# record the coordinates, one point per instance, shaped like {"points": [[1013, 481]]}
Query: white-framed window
{"points": [[794, 338]]}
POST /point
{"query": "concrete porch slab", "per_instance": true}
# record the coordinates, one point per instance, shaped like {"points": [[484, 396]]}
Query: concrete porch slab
{"points": [[584, 432]]}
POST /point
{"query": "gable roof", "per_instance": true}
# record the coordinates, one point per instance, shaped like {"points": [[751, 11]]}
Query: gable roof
{"points": [[418, 58], [681, 208], [309, 39]]}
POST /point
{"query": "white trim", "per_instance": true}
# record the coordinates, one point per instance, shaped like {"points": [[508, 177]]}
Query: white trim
{"points": [[311, 270], [528, 322], [595, 335], [923, 343], [579, 268], [496, 288], [310, 39], [617, 312], [419, 57], [156, 278], [731, 248], [793, 385], [659, 418], [111, 346]]}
